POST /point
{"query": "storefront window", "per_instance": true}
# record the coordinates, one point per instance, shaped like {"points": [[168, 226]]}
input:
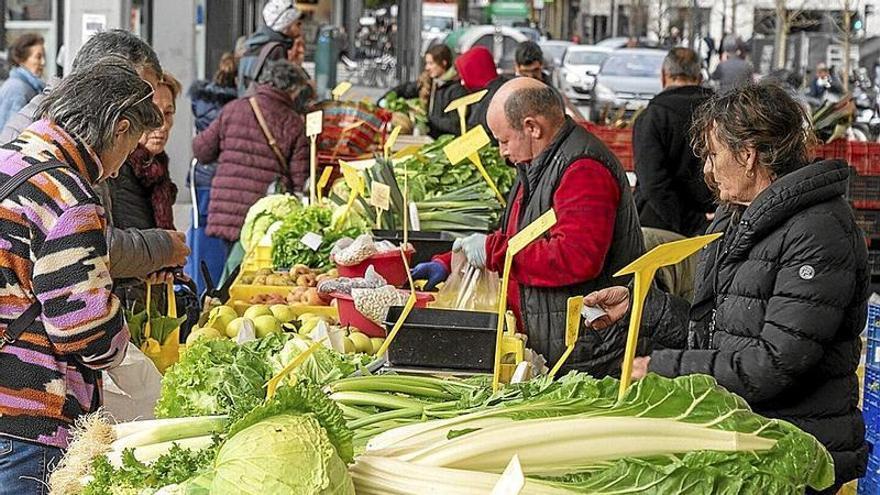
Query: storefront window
{"points": [[28, 10]]}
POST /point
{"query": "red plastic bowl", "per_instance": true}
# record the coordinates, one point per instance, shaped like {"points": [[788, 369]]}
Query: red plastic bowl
{"points": [[350, 316], [389, 265]]}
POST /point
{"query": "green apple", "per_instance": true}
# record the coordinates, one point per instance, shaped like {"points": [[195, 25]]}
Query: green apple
{"points": [[283, 313], [377, 343], [206, 333], [235, 326], [266, 324], [361, 342], [257, 310], [222, 315], [349, 346]]}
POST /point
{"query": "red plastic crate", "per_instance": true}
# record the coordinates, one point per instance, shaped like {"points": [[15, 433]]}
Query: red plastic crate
{"points": [[389, 265], [349, 316], [833, 150]]}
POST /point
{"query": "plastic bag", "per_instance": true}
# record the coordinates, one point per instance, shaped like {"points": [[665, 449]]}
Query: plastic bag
{"points": [[132, 389], [468, 288], [374, 303], [352, 253], [344, 285]]}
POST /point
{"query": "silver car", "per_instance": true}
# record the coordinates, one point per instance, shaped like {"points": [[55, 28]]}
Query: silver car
{"points": [[628, 79], [580, 65]]}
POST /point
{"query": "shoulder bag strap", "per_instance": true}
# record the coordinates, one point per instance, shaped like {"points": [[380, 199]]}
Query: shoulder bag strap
{"points": [[261, 59], [26, 319], [269, 137]]}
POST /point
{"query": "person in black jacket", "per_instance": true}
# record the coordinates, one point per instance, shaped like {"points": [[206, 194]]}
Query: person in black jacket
{"points": [[437, 87], [670, 192], [781, 298]]}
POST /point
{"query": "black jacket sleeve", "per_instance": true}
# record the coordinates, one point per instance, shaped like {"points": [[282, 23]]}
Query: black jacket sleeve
{"points": [[803, 313]]}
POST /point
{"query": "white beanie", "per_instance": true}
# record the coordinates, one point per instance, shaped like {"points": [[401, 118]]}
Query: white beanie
{"points": [[280, 14]]}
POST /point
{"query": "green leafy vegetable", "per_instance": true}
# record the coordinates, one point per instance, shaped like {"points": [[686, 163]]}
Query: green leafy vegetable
{"points": [[174, 467], [288, 249], [263, 214]]}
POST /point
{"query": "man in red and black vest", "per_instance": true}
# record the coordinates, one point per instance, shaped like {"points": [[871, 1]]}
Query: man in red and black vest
{"points": [[561, 166]]}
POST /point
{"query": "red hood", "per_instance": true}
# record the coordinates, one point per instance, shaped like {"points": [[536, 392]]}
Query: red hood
{"points": [[476, 68]]}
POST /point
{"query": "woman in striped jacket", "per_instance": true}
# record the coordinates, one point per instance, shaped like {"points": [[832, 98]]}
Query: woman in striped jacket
{"points": [[60, 323]]}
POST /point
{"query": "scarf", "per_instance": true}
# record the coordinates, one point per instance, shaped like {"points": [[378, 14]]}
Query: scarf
{"points": [[152, 173]]}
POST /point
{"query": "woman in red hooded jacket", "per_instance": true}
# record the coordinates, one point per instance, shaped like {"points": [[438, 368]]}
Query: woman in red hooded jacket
{"points": [[477, 70]]}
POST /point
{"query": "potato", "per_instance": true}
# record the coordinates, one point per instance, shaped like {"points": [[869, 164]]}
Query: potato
{"points": [[312, 298], [307, 280], [260, 280], [264, 271]]}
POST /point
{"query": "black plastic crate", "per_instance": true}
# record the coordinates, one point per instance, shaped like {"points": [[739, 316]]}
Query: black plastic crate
{"points": [[426, 244], [443, 339]]}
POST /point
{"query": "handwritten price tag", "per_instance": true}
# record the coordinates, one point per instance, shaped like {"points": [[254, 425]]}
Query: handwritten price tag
{"points": [[340, 90], [312, 241], [380, 196], [314, 123]]}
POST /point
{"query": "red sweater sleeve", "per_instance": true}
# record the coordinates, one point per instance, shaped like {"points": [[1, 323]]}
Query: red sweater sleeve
{"points": [[586, 203]]}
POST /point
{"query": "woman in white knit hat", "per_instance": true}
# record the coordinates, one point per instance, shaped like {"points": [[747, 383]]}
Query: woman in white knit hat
{"points": [[283, 25]]}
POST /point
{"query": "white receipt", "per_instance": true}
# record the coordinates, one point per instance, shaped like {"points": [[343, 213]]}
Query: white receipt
{"points": [[592, 314]]}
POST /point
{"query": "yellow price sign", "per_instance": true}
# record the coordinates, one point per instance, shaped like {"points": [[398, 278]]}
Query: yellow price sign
{"points": [[325, 178], [532, 231], [314, 123], [380, 196], [362, 165], [389, 143], [460, 105], [572, 329], [467, 145], [407, 308], [340, 89], [643, 270], [272, 385], [515, 245], [353, 178], [407, 151]]}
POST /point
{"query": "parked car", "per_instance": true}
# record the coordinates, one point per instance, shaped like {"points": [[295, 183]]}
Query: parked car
{"points": [[621, 41], [580, 65], [628, 79], [500, 40], [554, 51]]}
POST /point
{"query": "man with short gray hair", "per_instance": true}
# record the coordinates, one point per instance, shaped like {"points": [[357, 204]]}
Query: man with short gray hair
{"points": [[670, 192]]}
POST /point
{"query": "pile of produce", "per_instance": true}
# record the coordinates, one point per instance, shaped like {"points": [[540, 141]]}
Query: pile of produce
{"points": [[263, 214], [294, 443], [288, 249], [573, 436], [448, 197], [408, 113]]}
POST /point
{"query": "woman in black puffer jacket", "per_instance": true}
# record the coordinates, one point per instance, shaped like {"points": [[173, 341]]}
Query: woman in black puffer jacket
{"points": [[781, 298]]}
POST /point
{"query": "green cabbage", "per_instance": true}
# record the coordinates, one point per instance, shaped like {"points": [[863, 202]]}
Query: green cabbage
{"points": [[263, 214], [285, 454]]}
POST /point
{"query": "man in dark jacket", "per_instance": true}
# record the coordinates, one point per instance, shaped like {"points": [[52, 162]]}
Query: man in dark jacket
{"points": [[529, 62], [670, 192], [271, 41], [734, 70], [563, 167]]}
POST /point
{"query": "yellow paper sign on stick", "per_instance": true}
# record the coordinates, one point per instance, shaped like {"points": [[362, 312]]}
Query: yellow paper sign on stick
{"points": [[515, 245], [340, 89], [314, 123], [407, 151], [380, 196], [466, 100], [362, 165], [407, 308], [389, 143], [325, 178], [467, 145], [643, 270], [353, 178], [535, 229]]}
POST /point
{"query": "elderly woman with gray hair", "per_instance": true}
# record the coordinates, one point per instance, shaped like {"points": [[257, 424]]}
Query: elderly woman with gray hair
{"points": [[780, 299], [256, 140], [60, 323]]}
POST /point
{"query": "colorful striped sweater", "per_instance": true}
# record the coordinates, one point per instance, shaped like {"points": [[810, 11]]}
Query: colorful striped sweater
{"points": [[53, 247]]}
